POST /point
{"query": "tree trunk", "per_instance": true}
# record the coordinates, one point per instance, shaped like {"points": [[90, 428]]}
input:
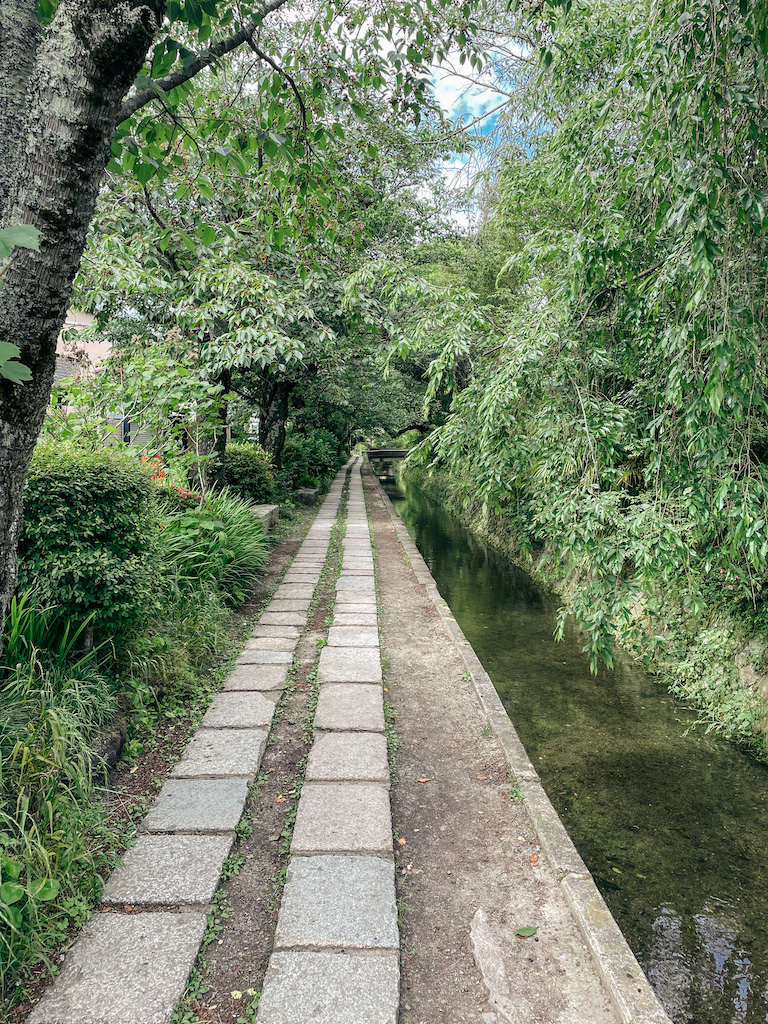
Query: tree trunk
{"points": [[213, 442], [273, 415], [60, 99]]}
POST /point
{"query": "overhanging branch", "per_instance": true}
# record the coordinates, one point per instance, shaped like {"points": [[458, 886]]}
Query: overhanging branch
{"points": [[208, 57]]}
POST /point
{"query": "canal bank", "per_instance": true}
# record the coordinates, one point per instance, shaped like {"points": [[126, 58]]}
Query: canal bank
{"points": [[671, 821], [475, 865]]}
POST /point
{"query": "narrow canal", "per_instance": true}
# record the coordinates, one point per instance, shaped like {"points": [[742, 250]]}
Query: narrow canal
{"points": [[672, 823]]}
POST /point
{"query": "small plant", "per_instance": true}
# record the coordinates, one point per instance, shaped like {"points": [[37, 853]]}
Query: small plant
{"points": [[244, 828], [232, 866], [393, 740], [516, 794]]}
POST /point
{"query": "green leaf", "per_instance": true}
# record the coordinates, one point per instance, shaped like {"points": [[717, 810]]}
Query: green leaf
{"points": [[19, 234], [144, 172], [527, 931], [11, 892], [12, 868], [10, 368], [46, 10], [44, 889]]}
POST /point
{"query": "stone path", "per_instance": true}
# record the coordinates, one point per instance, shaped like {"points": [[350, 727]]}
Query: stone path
{"points": [[130, 965], [335, 958]]}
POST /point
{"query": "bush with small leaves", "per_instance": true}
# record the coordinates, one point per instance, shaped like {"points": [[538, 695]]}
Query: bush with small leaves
{"points": [[87, 541], [248, 471]]}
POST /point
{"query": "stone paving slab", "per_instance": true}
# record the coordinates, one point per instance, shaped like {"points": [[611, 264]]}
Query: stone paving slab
{"points": [[295, 604], [366, 618], [351, 562], [258, 657], [338, 903], [168, 870], [272, 643], [352, 636], [235, 752], [330, 988], [349, 757], [355, 602], [124, 969], [308, 579], [239, 710], [198, 805], [257, 677], [283, 619], [291, 632], [356, 583], [293, 591], [343, 817], [349, 665], [350, 707]]}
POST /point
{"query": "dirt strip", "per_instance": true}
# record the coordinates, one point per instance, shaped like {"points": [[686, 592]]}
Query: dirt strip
{"points": [[470, 869]]}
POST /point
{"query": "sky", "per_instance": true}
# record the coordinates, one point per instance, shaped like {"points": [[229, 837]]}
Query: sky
{"points": [[462, 99]]}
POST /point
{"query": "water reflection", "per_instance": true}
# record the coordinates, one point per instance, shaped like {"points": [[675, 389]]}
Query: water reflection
{"points": [[672, 826]]}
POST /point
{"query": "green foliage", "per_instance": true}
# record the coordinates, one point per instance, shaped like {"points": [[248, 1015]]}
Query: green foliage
{"points": [[612, 407], [87, 539], [311, 458], [23, 235], [248, 471], [220, 541], [10, 367], [51, 700]]}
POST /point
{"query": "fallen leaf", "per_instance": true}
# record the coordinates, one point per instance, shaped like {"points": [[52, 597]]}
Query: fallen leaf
{"points": [[424, 780], [134, 769], [273, 839], [271, 769], [401, 842], [534, 859], [526, 932], [281, 799], [416, 871], [482, 778], [236, 994]]}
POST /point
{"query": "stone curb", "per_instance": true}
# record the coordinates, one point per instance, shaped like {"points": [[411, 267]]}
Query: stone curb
{"points": [[630, 991]]}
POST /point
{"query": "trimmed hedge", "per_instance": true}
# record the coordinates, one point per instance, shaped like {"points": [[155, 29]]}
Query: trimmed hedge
{"points": [[248, 471], [88, 535]]}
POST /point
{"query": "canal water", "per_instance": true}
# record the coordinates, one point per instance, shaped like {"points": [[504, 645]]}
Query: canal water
{"points": [[672, 823]]}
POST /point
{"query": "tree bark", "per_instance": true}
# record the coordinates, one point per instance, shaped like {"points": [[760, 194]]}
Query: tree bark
{"points": [[273, 415], [54, 152]]}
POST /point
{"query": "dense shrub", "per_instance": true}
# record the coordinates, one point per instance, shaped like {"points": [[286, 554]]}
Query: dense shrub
{"points": [[219, 541], [86, 542], [248, 471], [310, 458]]}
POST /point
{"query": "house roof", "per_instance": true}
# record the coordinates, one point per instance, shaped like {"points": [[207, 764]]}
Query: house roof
{"points": [[65, 368]]}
